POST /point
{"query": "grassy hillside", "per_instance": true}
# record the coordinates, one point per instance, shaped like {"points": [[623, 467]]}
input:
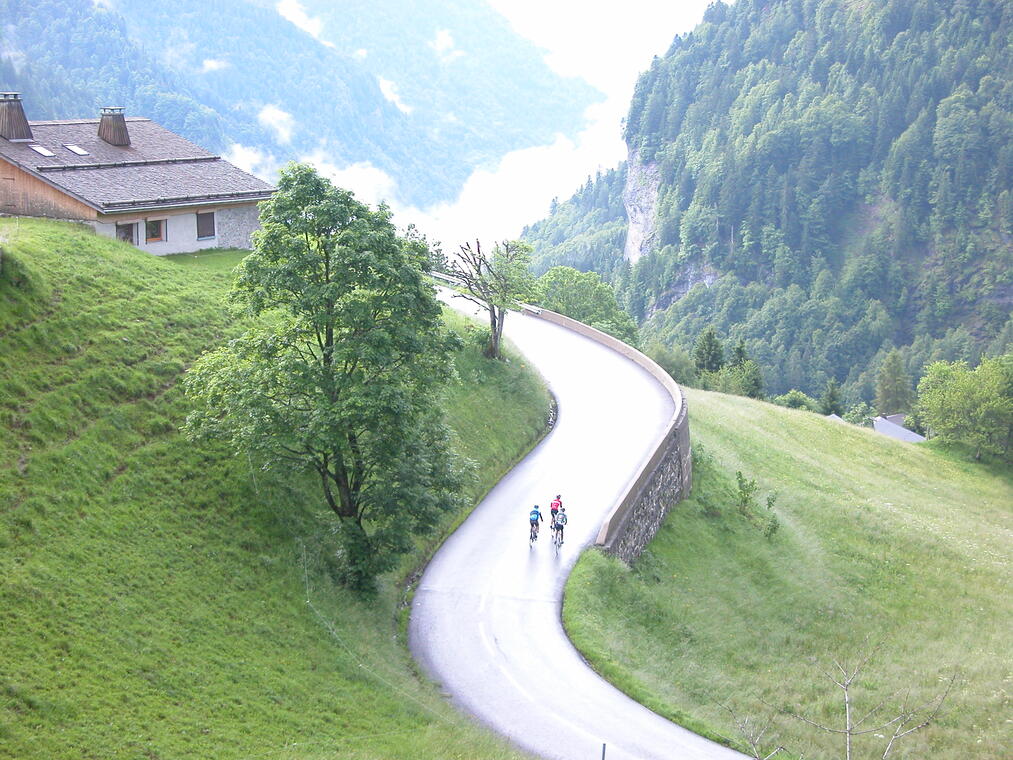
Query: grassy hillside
{"points": [[879, 543], [163, 600]]}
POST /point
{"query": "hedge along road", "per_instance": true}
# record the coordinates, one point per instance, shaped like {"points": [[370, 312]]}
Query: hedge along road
{"points": [[485, 620]]}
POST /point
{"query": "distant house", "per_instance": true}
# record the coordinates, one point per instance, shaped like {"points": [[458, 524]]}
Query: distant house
{"points": [[128, 178]]}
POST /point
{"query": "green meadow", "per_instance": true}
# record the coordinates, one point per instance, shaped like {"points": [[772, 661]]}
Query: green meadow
{"points": [[883, 548], [160, 599]]}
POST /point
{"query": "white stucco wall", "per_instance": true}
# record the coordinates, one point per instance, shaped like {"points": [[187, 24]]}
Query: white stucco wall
{"points": [[233, 227]]}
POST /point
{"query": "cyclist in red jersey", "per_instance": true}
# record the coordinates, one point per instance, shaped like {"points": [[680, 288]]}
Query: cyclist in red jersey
{"points": [[554, 506]]}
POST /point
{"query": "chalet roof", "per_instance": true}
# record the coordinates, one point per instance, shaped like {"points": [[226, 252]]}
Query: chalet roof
{"points": [[158, 169], [884, 426]]}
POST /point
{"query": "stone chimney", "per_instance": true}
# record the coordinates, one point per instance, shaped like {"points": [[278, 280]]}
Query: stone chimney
{"points": [[113, 126], [13, 124]]}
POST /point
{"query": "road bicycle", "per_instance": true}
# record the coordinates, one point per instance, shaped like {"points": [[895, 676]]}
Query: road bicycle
{"points": [[557, 539], [533, 534]]}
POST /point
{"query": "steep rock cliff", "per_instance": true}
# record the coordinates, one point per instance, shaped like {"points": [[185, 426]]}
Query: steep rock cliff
{"points": [[640, 197]]}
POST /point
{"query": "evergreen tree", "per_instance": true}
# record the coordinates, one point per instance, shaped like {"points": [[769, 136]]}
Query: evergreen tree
{"points": [[750, 379], [830, 401], [739, 354], [893, 386], [709, 354]]}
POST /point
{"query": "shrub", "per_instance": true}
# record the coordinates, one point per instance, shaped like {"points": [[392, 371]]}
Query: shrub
{"points": [[796, 399], [746, 493]]}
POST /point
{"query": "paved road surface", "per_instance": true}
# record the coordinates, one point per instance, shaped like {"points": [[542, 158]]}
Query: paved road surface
{"points": [[486, 618]]}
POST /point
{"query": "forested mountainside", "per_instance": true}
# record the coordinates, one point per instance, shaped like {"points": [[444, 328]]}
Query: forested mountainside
{"points": [[587, 231], [823, 179], [350, 86]]}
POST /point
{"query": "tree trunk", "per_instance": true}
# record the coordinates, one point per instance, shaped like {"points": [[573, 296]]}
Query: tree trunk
{"points": [[499, 330], [345, 505], [847, 722], [496, 316], [360, 560]]}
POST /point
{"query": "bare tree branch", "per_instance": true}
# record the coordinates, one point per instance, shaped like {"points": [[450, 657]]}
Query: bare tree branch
{"points": [[495, 282], [752, 734], [901, 723], [939, 700]]}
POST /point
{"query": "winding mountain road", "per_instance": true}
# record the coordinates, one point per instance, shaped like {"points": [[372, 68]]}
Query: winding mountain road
{"points": [[485, 622]]}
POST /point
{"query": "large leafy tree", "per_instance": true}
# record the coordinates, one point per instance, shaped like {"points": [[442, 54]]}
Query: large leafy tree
{"points": [[584, 297], [341, 375], [496, 281], [973, 407], [675, 360]]}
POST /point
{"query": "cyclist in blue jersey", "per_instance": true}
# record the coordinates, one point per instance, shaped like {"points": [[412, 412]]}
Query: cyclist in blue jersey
{"points": [[534, 517]]}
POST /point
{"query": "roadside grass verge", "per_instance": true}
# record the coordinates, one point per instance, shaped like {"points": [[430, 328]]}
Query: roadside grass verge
{"points": [[881, 545], [164, 600]]}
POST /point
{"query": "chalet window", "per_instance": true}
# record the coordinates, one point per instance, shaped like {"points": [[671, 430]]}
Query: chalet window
{"points": [[42, 151], [206, 225], [125, 232], [154, 230], [77, 150]]}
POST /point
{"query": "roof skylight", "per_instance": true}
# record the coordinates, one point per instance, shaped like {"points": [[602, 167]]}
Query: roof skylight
{"points": [[42, 151], [76, 150]]}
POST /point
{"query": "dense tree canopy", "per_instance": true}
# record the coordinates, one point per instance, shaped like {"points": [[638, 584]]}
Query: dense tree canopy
{"points": [[834, 181], [586, 231]]}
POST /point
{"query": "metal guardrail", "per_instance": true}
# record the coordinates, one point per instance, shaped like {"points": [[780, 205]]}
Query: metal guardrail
{"points": [[449, 278]]}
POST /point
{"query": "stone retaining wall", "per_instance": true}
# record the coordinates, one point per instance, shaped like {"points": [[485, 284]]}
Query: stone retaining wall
{"points": [[663, 479]]}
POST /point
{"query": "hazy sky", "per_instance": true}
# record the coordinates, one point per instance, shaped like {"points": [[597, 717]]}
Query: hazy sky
{"points": [[608, 43]]}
